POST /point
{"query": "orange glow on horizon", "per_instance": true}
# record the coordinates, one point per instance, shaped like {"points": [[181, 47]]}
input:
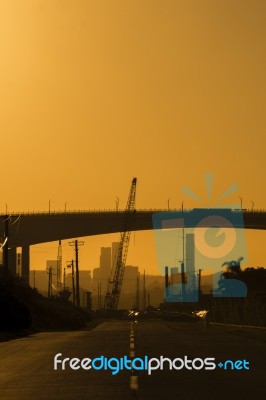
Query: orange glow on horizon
{"points": [[94, 93]]}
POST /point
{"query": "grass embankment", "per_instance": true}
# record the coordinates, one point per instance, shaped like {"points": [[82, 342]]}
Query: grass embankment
{"points": [[23, 310]]}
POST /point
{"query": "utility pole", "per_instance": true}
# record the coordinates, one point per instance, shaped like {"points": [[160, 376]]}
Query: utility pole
{"points": [[88, 300], [137, 293], [166, 277], [144, 292], [5, 252], [183, 234], [50, 282], [98, 295], [76, 244], [199, 282], [77, 271], [183, 286], [64, 279], [73, 281]]}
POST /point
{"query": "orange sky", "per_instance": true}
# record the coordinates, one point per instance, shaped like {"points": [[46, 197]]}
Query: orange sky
{"points": [[96, 92]]}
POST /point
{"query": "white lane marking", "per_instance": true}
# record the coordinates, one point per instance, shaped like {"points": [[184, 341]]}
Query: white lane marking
{"points": [[134, 382]]}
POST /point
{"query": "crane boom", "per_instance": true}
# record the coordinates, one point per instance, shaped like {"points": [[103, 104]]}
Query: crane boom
{"points": [[115, 285]]}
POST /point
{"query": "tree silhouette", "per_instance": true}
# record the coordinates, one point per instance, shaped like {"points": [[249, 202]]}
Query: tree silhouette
{"points": [[234, 266]]}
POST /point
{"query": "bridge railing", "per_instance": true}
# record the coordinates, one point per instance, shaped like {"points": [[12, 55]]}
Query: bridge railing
{"points": [[95, 211], [106, 211]]}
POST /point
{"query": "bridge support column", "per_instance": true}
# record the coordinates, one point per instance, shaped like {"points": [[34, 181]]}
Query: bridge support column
{"points": [[26, 263], [12, 261]]}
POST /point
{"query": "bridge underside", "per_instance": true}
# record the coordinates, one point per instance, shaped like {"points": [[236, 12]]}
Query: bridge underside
{"points": [[29, 229]]}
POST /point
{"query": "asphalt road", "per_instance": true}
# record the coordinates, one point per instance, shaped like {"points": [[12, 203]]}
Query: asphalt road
{"points": [[27, 364]]}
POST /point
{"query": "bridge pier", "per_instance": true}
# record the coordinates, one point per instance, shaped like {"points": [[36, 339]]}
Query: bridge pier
{"points": [[26, 263], [12, 261]]}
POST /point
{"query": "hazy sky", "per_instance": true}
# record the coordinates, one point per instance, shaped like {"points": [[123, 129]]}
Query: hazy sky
{"points": [[93, 93]]}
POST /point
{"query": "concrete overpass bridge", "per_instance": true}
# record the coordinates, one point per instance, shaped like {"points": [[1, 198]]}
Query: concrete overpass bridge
{"points": [[26, 229]]}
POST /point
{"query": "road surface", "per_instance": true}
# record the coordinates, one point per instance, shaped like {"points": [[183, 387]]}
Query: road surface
{"points": [[27, 364]]}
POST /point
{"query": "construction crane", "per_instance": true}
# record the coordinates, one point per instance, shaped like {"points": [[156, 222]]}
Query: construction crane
{"points": [[115, 284], [59, 267]]}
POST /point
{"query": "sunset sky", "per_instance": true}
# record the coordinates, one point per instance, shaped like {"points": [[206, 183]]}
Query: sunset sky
{"points": [[94, 93]]}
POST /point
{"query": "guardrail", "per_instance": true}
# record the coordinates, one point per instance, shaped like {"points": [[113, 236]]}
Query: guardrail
{"points": [[238, 326], [105, 211]]}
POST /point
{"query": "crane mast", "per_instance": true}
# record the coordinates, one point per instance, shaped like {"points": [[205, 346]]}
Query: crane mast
{"points": [[115, 285], [59, 267]]}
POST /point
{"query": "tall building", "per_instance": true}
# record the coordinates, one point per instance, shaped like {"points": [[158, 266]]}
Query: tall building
{"points": [[129, 287], [190, 261], [105, 273], [105, 258], [130, 279], [101, 276]]}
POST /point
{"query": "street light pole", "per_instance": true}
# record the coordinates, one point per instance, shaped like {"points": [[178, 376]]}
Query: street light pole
{"points": [[183, 289], [241, 202], [5, 249], [117, 203], [252, 202], [50, 205], [168, 201], [183, 231]]}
